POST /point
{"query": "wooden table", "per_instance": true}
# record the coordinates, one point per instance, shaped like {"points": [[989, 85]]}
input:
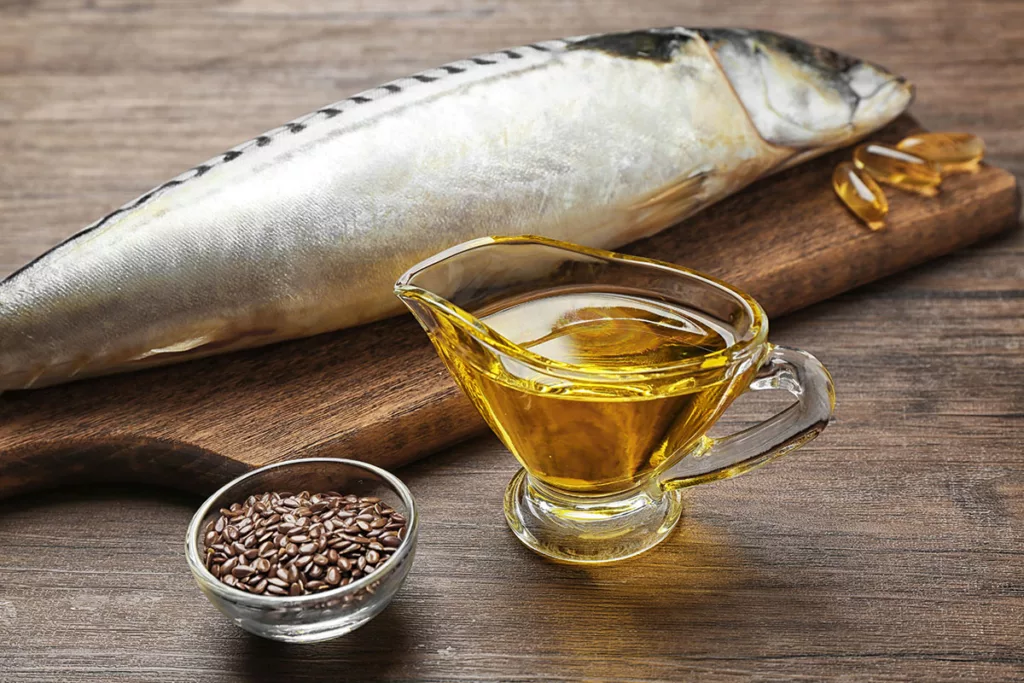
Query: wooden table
{"points": [[891, 548]]}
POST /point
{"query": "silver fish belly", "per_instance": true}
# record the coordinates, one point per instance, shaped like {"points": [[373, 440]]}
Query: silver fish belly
{"points": [[598, 140]]}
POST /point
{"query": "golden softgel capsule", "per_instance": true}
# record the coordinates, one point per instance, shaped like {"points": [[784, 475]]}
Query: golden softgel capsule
{"points": [[953, 152], [898, 168], [861, 194]]}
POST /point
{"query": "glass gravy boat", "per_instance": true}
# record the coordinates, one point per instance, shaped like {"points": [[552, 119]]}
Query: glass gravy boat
{"points": [[602, 374]]}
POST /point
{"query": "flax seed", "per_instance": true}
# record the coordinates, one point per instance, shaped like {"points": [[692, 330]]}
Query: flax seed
{"points": [[285, 544]]}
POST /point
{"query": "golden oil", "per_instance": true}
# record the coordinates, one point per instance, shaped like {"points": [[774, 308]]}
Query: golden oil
{"points": [[953, 152], [895, 167], [608, 413], [861, 195]]}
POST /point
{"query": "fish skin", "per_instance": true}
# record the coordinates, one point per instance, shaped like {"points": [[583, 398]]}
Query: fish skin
{"points": [[598, 140]]}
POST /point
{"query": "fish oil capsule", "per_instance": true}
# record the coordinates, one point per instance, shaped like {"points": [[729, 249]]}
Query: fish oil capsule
{"points": [[897, 168], [953, 152], [861, 194]]}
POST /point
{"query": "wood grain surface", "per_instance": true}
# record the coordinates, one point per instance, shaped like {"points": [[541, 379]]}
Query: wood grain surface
{"points": [[889, 549]]}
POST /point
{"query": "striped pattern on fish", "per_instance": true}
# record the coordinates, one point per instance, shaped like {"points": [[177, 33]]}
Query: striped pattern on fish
{"points": [[598, 140]]}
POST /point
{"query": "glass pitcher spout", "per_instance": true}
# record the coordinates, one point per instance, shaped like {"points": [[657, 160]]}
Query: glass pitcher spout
{"points": [[453, 290], [442, 290]]}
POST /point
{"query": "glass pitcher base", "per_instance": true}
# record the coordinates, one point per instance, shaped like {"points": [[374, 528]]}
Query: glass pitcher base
{"points": [[589, 530]]}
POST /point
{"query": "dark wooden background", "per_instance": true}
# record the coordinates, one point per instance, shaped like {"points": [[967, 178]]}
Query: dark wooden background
{"points": [[892, 548]]}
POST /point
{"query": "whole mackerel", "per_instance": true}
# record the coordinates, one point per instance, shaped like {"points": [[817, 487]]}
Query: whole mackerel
{"points": [[598, 140]]}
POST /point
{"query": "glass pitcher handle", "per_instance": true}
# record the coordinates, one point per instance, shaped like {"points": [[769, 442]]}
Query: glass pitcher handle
{"points": [[794, 371]]}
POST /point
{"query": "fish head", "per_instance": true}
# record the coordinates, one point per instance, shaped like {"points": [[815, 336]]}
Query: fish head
{"points": [[805, 96]]}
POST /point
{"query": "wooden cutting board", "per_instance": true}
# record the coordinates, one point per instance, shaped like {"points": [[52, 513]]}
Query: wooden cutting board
{"points": [[379, 393]]}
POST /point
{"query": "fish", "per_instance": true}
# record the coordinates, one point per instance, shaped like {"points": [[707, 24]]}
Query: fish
{"points": [[599, 140]]}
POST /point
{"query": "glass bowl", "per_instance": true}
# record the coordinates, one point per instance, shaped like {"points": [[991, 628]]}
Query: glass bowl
{"points": [[324, 615]]}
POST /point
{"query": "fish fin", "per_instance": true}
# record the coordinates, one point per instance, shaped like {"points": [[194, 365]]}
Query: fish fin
{"points": [[180, 347], [668, 205], [683, 190], [31, 380], [41, 376], [220, 338]]}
